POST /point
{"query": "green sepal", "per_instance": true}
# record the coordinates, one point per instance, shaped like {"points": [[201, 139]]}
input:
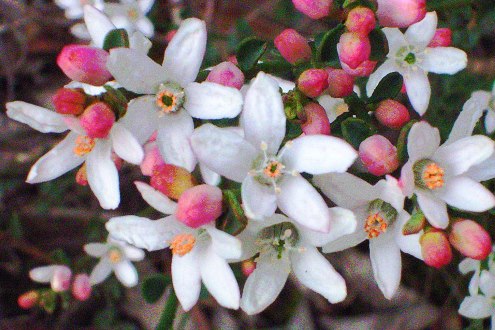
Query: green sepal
{"points": [[116, 38], [415, 224]]}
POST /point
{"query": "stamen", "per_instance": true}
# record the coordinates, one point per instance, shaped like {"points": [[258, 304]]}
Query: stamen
{"points": [[166, 101], [182, 244], [273, 169], [263, 146], [115, 256], [84, 145], [433, 176], [375, 225]]}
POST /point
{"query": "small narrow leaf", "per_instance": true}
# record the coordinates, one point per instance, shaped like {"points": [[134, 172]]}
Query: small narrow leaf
{"points": [[415, 223], [168, 314], [235, 221], [249, 52], [388, 88], [116, 38], [327, 48], [355, 131], [402, 141], [378, 45], [154, 286]]}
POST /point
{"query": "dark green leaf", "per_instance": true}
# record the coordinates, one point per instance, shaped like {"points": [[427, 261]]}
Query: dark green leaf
{"points": [[235, 221], [249, 52], [116, 38], [378, 45], [116, 100], [48, 300], [355, 131], [349, 4], [154, 286], [415, 224], [388, 88], [168, 314], [327, 48], [402, 141]]}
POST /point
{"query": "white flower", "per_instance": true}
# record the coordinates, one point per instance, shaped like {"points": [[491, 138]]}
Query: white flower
{"points": [[114, 256], [74, 8], [380, 217], [481, 304], [78, 148], [57, 275], [335, 107], [410, 55], [283, 245], [270, 177], [173, 97], [131, 15], [199, 254]]}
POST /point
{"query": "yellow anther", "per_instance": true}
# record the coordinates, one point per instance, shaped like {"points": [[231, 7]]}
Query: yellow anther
{"points": [[273, 169], [341, 108], [84, 145], [115, 256], [433, 176], [166, 101], [182, 244], [375, 225]]}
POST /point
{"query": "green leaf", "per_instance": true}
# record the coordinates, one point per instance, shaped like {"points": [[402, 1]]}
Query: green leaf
{"points": [[415, 224], [48, 300], [327, 48], [154, 286], [116, 38], [168, 314], [116, 99], [402, 141], [249, 52], [350, 4], [388, 88], [235, 221], [355, 131], [60, 257], [378, 45]]}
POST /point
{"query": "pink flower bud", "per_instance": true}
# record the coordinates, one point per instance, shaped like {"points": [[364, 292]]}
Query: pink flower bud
{"points": [[363, 70], [171, 180], [360, 20], [85, 64], [81, 288], [28, 300], [293, 46], [69, 101], [313, 82], [232, 59], [378, 155], [353, 49], [97, 120], [340, 83], [435, 248], [170, 34], [248, 267], [400, 13], [82, 176], [317, 121], [226, 74], [314, 9], [392, 114], [152, 158], [199, 205], [470, 239], [61, 279], [442, 38]]}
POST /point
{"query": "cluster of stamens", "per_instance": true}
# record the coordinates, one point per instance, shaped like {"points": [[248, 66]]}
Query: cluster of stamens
{"points": [[84, 145], [182, 244], [428, 174], [380, 216], [114, 255], [170, 98], [408, 57], [375, 225], [280, 237]]}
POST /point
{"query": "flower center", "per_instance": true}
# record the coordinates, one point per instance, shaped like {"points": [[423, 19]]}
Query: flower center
{"points": [[114, 255], [341, 108], [410, 58], [182, 244], [170, 98], [428, 174], [375, 225], [380, 216], [279, 237], [84, 145], [273, 169], [133, 14]]}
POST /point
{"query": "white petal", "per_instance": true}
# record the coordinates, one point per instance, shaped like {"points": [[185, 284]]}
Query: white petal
{"points": [[139, 42], [96, 250], [258, 201], [56, 162], [422, 142], [156, 199], [141, 118], [490, 122], [80, 30], [209, 177], [471, 112], [434, 209], [98, 25], [223, 244], [484, 171], [346, 242], [387, 264], [476, 307], [42, 274], [418, 90], [142, 232], [223, 151], [209, 100], [145, 5], [467, 194], [469, 265], [41, 119], [331, 105], [103, 177], [263, 117], [126, 273], [219, 279], [396, 40], [300, 201], [145, 26], [487, 283], [285, 85], [102, 270], [135, 71], [173, 139], [406, 181], [133, 253], [186, 278], [421, 33], [407, 243], [391, 192], [125, 145], [315, 272], [264, 285], [185, 51], [447, 60], [387, 67]]}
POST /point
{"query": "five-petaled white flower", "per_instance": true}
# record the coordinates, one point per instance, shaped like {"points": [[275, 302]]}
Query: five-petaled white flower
{"points": [[410, 55], [173, 97], [284, 245], [438, 174], [380, 217], [131, 15], [270, 177]]}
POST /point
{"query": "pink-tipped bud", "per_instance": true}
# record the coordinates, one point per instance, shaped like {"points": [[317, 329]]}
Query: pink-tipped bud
{"points": [[61, 279], [171, 180], [248, 267], [317, 121], [313, 82], [28, 300], [226, 74], [400, 13], [353, 49], [360, 20], [435, 248], [378, 155], [85, 64], [363, 70], [81, 288], [293, 46], [69, 101], [470, 239], [82, 176], [97, 120], [152, 158], [340, 83], [199, 205], [314, 9], [232, 59], [442, 38], [170, 34], [392, 114]]}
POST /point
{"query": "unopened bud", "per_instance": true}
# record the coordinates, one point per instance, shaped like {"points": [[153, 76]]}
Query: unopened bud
{"points": [[340, 83], [293, 46], [248, 267], [470, 239], [199, 205], [442, 38], [69, 101], [392, 114], [152, 158], [61, 279], [316, 121], [97, 120], [378, 155], [435, 248], [314, 9], [353, 49], [313, 82], [400, 13], [171, 180], [82, 176], [85, 64], [226, 74], [81, 288], [28, 300], [362, 70], [360, 20]]}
